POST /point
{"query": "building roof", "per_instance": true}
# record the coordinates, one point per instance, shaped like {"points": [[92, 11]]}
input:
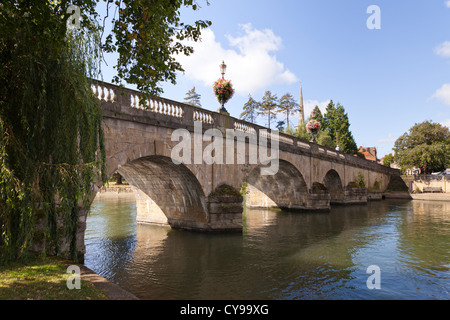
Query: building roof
{"points": [[370, 153]]}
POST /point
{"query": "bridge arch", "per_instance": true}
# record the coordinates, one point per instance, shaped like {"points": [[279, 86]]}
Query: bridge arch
{"points": [[166, 193], [332, 181], [286, 189]]}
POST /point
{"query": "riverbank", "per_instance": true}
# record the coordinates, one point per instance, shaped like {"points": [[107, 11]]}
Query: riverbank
{"points": [[111, 290], [111, 191], [431, 196], [47, 278]]}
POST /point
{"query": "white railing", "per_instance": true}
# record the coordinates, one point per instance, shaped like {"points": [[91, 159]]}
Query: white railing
{"points": [[203, 116], [132, 98], [104, 93], [157, 105], [244, 127]]}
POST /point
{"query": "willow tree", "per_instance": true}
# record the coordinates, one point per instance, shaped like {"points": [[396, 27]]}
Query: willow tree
{"points": [[51, 140]]}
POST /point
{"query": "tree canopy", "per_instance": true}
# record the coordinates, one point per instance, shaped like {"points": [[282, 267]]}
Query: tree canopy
{"points": [[193, 98], [250, 110], [388, 159], [268, 106], [51, 140], [148, 35], [337, 123], [426, 146], [334, 129], [287, 106]]}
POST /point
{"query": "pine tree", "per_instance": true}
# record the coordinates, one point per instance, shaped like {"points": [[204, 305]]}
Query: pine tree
{"points": [[288, 106], [268, 107], [337, 123], [193, 98], [302, 133], [324, 139], [328, 121], [280, 125], [320, 117], [250, 110]]}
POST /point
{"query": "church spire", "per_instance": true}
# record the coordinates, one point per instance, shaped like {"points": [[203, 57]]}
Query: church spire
{"points": [[301, 109]]}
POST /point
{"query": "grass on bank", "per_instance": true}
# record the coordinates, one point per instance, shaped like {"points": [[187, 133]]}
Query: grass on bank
{"points": [[43, 279]]}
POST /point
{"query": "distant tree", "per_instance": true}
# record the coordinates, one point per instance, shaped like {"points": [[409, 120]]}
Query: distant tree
{"points": [[426, 146], [280, 126], [291, 131], [338, 125], [268, 107], [250, 110], [388, 159], [302, 133], [328, 117], [324, 139], [193, 98], [320, 118], [287, 106]]}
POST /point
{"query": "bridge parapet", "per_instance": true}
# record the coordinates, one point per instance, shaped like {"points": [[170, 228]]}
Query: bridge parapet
{"points": [[176, 114]]}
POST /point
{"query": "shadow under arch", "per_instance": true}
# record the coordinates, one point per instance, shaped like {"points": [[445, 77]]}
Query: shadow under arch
{"points": [[333, 183], [286, 189], [166, 193]]}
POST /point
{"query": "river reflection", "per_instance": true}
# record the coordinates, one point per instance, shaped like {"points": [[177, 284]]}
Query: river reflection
{"points": [[279, 255]]}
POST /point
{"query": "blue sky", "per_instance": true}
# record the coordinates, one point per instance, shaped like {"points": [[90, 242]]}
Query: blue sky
{"points": [[387, 79]]}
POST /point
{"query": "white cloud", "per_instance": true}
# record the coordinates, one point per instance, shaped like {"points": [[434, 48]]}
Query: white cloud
{"points": [[390, 139], [443, 94], [443, 49], [309, 105], [446, 123], [447, 3], [251, 65]]}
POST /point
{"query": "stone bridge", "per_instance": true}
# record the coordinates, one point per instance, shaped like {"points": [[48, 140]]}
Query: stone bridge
{"points": [[204, 194]]}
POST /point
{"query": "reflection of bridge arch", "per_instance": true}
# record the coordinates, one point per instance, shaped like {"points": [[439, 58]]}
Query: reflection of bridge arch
{"points": [[166, 193], [286, 189], [333, 183]]}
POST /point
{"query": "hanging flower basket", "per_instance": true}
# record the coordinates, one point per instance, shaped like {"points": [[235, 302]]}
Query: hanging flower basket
{"points": [[313, 126], [223, 90]]}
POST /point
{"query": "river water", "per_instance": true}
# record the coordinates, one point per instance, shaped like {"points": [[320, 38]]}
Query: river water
{"points": [[391, 249]]}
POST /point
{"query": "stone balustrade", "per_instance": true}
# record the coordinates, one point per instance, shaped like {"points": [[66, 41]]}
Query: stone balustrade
{"points": [[109, 93]]}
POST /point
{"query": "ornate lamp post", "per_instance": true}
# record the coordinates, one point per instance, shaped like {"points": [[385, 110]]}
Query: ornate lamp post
{"points": [[223, 89], [223, 68]]}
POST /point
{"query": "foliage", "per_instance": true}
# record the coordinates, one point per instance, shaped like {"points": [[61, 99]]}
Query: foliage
{"points": [[224, 190], [193, 98], [288, 106], [250, 110], [338, 125], [359, 182], [302, 133], [148, 35], [376, 185], [268, 106], [51, 141], [280, 126], [324, 139], [388, 159], [426, 146], [223, 90]]}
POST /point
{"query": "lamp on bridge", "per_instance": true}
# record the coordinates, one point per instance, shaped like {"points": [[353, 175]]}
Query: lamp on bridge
{"points": [[223, 89], [223, 68]]}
